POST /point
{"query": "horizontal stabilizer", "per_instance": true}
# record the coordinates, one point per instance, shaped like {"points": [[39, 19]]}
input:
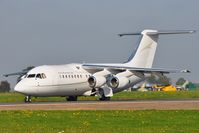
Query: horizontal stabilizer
{"points": [[161, 32], [127, 34]]}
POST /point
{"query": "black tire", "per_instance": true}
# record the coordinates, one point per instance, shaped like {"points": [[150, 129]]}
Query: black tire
{"points": [[103, 97], [71, 98], [27, 99]]}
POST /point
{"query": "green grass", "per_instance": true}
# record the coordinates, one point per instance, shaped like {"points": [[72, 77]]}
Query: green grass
{"points": [[157, 95], [148, 121], [16, 97]]}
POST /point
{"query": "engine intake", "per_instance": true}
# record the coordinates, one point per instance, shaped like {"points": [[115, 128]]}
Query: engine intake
{"points": [[96, 81], [118, 82]]}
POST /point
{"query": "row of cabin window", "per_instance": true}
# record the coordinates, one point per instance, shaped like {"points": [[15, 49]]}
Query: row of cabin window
{"points": [[73, 76]]}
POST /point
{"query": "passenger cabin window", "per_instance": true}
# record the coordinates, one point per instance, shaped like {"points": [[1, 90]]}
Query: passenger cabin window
{"points": [[31, 76]]}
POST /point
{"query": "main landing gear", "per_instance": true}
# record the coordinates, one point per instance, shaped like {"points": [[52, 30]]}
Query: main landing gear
{"points": [[71, 98], [102, 95], [27, 99]]}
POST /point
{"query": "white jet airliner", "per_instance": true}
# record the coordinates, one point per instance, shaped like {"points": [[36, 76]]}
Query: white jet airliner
{"points": [[103, 80]]}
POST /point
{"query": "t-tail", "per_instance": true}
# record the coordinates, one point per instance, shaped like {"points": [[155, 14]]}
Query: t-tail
{"points": [[144, 55]]}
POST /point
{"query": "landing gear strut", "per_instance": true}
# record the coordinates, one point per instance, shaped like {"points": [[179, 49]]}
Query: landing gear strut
{"points": [[102, 96], [71, 98], [27, 99]]}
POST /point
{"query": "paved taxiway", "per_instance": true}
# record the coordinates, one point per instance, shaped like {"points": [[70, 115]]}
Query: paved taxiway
{"points": [[107, 105]]}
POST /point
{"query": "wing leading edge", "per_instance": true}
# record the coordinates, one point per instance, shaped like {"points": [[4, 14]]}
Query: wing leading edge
{"points": [[122, 68]]}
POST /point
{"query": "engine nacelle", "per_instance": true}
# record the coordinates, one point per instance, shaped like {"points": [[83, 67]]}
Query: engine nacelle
{"points": [[96, 81], [118, 82]]}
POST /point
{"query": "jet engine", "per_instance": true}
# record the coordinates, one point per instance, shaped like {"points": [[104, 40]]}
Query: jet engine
{"points": [[118, 82], [96, 81]]}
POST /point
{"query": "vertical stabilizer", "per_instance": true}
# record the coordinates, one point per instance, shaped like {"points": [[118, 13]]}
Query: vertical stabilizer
{"points": [[144, 55]]}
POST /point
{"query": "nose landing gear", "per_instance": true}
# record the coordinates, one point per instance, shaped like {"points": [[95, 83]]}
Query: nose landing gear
{"points": [[27, 99]]}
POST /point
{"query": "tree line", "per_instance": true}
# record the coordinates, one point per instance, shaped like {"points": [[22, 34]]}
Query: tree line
{"points": [[4, 86]]}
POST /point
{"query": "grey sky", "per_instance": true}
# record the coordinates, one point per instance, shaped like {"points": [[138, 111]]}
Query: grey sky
{"points": [[38, 32]]}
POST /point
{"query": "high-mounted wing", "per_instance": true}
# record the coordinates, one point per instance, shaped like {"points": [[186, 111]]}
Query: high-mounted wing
{"points": [[23, 72], [122, 68], [14, 74]]}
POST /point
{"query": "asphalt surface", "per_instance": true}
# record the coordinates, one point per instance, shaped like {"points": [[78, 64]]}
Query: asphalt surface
{"points": [[106, 105]]}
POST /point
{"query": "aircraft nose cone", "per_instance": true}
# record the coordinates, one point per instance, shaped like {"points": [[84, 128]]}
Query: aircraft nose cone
{"points": [[18, 88]]}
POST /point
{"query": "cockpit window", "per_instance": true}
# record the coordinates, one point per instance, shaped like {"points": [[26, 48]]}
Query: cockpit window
{"points": [[38, 76], [25, 76], [43, 76], [31, 76]]}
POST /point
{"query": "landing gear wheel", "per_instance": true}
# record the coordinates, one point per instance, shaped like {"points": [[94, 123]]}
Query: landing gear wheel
{"points": [[71, 98], [93, 92], [105, 99], [27, 99], [102, 96]]}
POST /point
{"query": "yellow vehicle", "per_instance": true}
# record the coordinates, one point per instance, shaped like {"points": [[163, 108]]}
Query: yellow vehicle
{"points": [[164, 88]]}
